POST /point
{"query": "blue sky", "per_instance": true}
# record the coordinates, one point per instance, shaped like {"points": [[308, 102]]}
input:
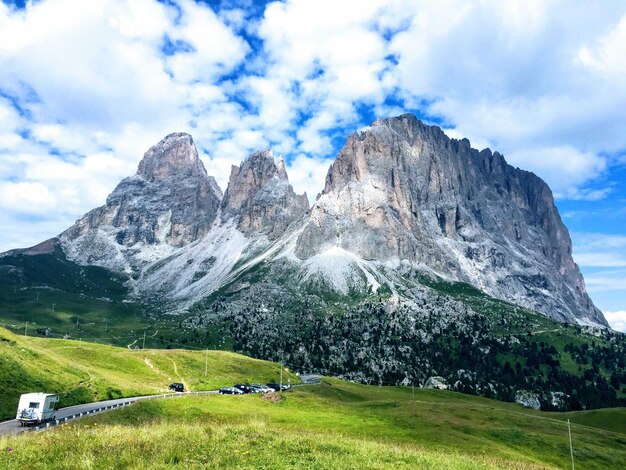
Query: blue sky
{"points": [[87, 87]]}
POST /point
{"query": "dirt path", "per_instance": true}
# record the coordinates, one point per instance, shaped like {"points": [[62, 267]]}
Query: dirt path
{"points": [[182, 381], [156, 369], [545, 331]]}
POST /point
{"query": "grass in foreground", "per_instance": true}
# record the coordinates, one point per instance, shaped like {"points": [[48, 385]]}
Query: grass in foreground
{"points": [[82, 372], [334, 425]]}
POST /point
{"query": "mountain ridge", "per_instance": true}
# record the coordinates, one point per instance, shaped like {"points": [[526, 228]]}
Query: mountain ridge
{"points": [[400, 191]]}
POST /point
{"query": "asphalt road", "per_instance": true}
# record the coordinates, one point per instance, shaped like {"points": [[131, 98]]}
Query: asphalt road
{"points": [[11, 426]]}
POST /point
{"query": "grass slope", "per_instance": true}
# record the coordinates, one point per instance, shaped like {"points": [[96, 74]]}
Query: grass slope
{"points": [[333, 425], [54, 296], [82, 372]]}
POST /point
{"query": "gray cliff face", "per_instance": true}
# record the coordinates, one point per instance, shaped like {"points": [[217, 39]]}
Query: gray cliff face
{"points": [[170, 200], [402, 190], [260, 197]]}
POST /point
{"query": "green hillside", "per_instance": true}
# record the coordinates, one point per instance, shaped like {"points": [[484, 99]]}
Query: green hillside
{"points": [[48, 295], [82, 372], [478, 344], [333, 425]]}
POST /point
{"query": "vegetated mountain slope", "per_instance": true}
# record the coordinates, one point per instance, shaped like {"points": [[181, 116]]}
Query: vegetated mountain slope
{"points": [[469, 341], [82, 372], [332, 425]]}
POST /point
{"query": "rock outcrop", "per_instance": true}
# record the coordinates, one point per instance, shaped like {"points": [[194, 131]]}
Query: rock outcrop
{"points": [[402, 190], [260, 197]]}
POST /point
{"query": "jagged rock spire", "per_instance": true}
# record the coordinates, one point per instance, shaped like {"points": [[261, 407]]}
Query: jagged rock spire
{"points": [[260, 197]]}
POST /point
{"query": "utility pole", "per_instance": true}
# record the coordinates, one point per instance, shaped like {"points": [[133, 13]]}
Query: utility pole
{"points": [[37, 297], [413, 396], [144, 340], [571, 449], [77, 320], [25, 328], [282, 358], [106, 325], [206, 363]]}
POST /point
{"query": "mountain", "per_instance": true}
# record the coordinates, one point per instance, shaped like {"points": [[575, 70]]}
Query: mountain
{"points": [[421, 257], [399, 194], [260, 198], [403, 191], [169, 203]]}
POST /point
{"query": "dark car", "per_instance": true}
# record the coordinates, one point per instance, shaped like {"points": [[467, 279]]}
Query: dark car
{"points": [[176, 387], [243, 388], [275, 387], [229, 391]]}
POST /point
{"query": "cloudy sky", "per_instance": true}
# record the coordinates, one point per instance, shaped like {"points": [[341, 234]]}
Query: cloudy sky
{"points": [[87, 86]]}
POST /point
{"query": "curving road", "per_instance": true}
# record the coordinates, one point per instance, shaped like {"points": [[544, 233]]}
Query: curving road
{"points": [[70, 412], [74, 412]]}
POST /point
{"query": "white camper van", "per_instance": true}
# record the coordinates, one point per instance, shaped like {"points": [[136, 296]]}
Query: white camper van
{"points": [[36, 408]]}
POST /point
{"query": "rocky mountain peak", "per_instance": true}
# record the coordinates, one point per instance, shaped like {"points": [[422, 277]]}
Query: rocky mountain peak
{"points": [[260, 196], [169, 202], [176, 154], [400, 193], [403, 190]]}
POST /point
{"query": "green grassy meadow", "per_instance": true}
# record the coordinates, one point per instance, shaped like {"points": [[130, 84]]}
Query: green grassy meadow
{"points": [[82, 372], [333, 425]]}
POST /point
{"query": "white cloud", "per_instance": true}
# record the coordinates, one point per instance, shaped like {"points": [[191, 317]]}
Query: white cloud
{"points": [[542, 82], [602, 260], [599, 250], [617, 320], [33, 198], [607, 54], [215, 48], [307, 174], [564, 168], [609, 280], [322, 65]]}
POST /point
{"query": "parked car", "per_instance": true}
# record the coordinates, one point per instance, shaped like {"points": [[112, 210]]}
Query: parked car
{"points": [[36, 408], [243, 388], [177, 387], [275, 387], [229, 391], [258, 388]]}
